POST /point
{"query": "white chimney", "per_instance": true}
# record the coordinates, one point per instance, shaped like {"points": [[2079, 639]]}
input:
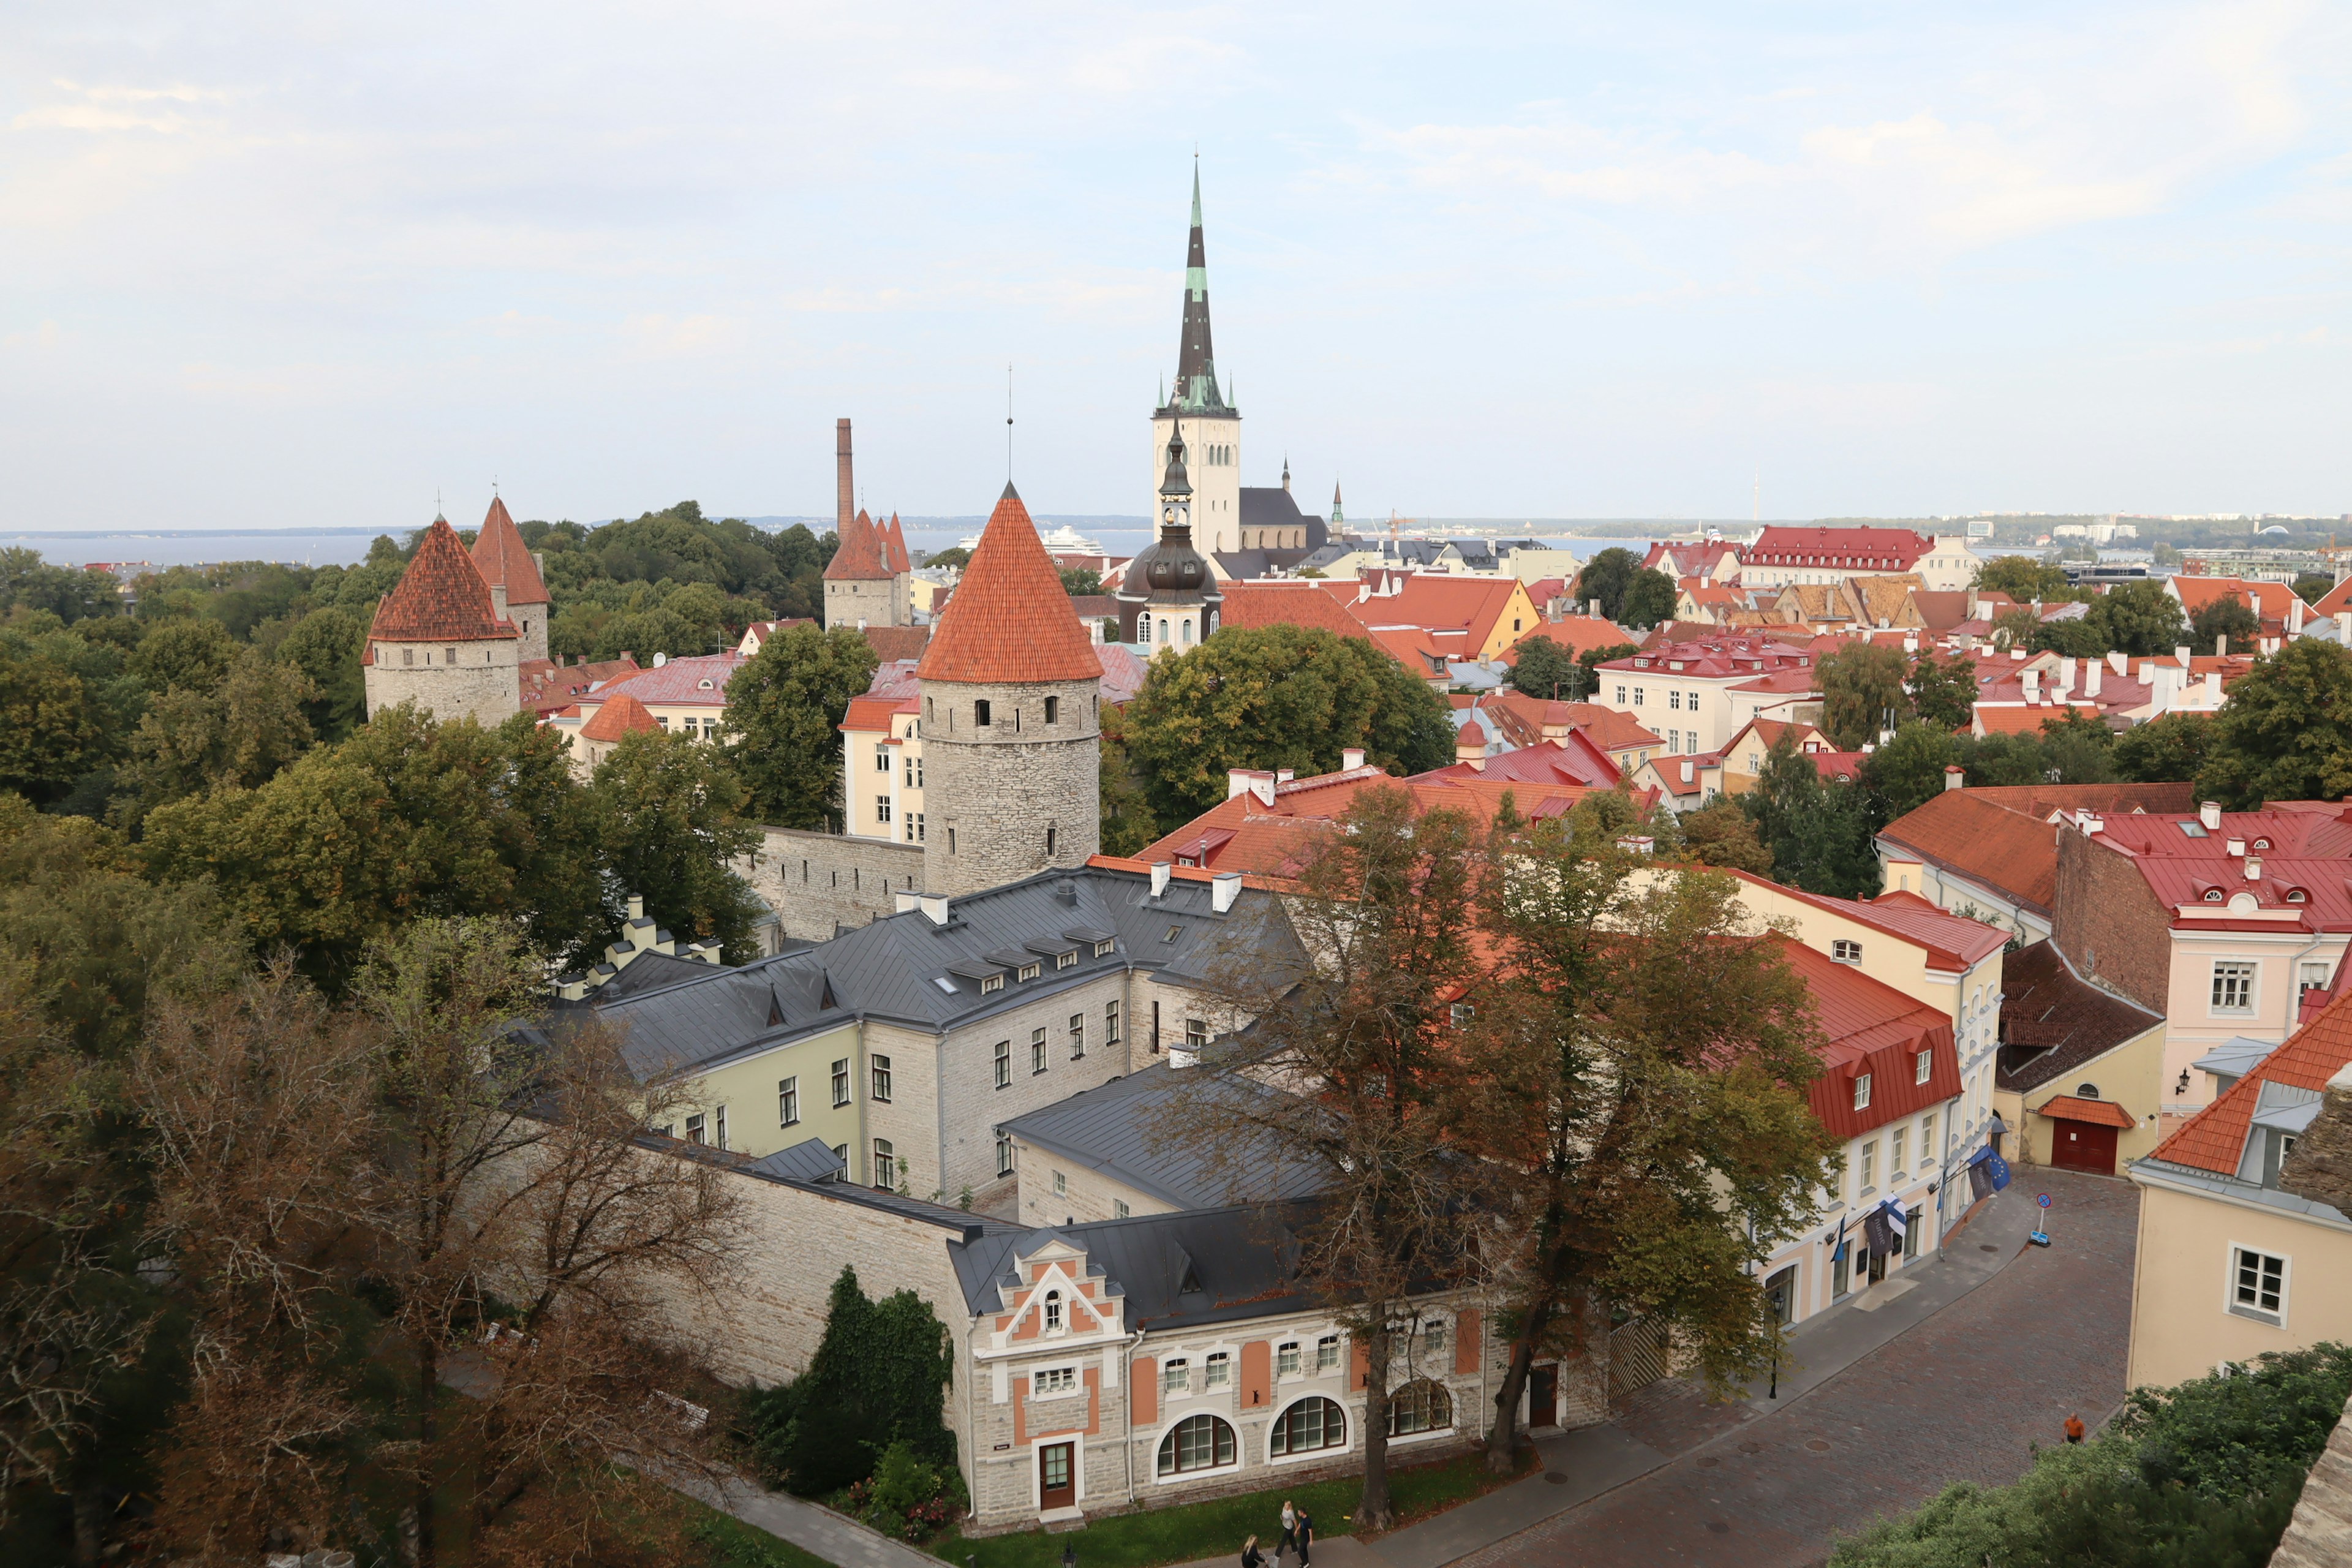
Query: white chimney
{"points": [[2237, 846], [2181, 653], [2065, 677], [905, 899], [1159, 869], [2119, 662], [2213, 691], [2094, 672], [2032, 685], [1955, 777], [934, 907], [1351, 758], [1592, 609], [2344, 628], [636, 906], [2209, 815], [1223, 889], [1284, 775], [2091, 824], [2220, 645], [2254, 867], [1690, 769], [660, 660]]}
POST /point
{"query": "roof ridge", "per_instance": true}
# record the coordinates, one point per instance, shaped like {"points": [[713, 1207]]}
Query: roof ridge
{"points": [[1009, 620]]}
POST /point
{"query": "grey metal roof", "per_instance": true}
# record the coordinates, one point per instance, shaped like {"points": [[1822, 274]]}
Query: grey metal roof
{"points": [[1131, 1128], [1203, 1266], [2235, 1056], [2219, 1187], [960, 1224], [809, 1161], [894, 968]]}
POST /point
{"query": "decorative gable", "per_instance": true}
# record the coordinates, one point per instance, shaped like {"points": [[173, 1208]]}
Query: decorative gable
{"points": [[1054, 1294]]}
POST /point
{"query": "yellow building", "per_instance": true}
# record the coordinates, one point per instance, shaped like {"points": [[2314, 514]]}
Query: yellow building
{"points": [[2081, 1077]]}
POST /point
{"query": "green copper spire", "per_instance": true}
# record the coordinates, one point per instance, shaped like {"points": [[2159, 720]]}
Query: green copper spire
{"points": [[1196, 361]]}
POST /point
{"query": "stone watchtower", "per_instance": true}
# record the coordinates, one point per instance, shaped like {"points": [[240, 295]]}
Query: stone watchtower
{"points": [[1012, 695], [869, 580], [439, 642], [517, 591]]}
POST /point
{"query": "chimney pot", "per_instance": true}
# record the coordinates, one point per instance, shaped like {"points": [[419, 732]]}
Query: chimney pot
{"points": [[2237, 846], [1223, 889], [636, 906], [2181, 653], [660, 660], [1955, 776], [1159, 869], [1351, 757], [2254, 867], [2209, 815]]}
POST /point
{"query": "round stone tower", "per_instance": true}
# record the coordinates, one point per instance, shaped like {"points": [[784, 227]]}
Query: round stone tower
{"points": [[439, 642], [1012, 697]]}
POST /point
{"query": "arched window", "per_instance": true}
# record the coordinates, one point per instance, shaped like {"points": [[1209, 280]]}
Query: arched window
{"points": [[1052, 1310], [1309, 1425], [1196, 1443], [1420, 1405], [2086, 1091]]}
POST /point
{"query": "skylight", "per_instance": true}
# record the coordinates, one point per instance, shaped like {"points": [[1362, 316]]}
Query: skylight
{"points": [[944, 983], [2193, 829]]}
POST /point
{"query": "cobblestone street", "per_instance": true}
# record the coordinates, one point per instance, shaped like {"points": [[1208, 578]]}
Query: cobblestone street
{"points": [[1962, 1397]]}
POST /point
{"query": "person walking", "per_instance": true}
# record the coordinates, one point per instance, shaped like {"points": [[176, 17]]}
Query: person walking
{"points": [[1306, 1536], [1251, 1557], [2075, 1428], [1289, 1541]]}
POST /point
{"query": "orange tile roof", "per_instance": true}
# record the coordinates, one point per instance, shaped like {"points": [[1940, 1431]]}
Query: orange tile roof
{"points": [[2271, 599], [505, 561], [1308, 604], [1010, 620], [1952, 941], [622, 714], [869, 712], [1961, 830], [2215, 1137], [1436, 602], [895, 538], [2098, 1112], [440, 598], [2336, 601], [2001, 719], [1577, 634], [861, 555]]}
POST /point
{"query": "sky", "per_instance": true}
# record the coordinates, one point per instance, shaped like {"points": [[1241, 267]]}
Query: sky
{"points": [[277, 264]]}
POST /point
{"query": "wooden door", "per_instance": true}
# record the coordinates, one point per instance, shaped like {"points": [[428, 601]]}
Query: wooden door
{"points": [[1056, 1486], [1543, 1396], [2083, 1146]]}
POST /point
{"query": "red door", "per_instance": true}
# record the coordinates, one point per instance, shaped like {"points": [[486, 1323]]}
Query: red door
{"points": [[1543, 1396], [2083, 1146], [1057, 1488]]}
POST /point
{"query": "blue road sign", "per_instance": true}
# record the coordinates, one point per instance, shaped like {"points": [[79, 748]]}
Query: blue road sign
{"points": [[2044, 1199]]}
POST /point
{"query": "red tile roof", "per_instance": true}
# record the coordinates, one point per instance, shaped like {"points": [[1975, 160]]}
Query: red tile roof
{"points": [[698, 678], [1855, 549], [1577, 762], [1438, 603], [895, 538], [2098, 1112], [1010, 620], [1868, 1026], [1577, 634], [548, 686], [1963, 831], [890, 643], [440, 598], [2269, 600], [2336, 601], [870, 712], [504, 560], [1306, 603], [1953, 943], [622, 714], [861, 556], [2215, 1138]]}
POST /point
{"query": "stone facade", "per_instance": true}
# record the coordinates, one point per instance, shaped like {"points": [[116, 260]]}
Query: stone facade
{"points": [[866, 600], [530, 620], [482, 680], [1014, 795], [819, 883]]}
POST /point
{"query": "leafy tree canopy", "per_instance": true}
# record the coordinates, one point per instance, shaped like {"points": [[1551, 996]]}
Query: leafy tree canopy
{"points": [[1861, 692], [2026, 578], [1545, 668], [2231, 618], [783, 712], [1081, 580], [878, 1378], [2285, 732], [1819, 832]]}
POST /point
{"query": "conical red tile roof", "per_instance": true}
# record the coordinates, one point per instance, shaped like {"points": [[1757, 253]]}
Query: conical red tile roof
{"points": [[622, 714], [1010, 620], [441, 597], [504, 560], [860, 557], [899, 560]]}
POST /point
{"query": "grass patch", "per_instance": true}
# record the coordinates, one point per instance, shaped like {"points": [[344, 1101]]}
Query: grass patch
{"points": [[1217, 1528], [732, 1543]]}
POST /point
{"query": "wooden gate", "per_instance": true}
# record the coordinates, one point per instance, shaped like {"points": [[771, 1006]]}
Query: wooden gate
{"points": [[1637, 1356]]}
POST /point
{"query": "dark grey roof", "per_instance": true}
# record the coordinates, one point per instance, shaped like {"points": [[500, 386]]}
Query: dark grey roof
{"points": [[904, 969], [1203, 1266], [959, 1223], [1128, 1129], [2052, 1020], [809, 1161], [1273, 507]]}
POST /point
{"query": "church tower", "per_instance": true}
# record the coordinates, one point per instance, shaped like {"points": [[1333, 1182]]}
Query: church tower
{"points": [[1012, 695], [1216, 442], [1169, 601]]}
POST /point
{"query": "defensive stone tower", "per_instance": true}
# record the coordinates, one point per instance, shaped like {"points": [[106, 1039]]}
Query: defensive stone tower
{"points": [[517, 591], [438, 640], [1011, 694]]}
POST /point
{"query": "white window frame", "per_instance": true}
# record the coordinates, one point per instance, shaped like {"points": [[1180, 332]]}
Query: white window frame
{"points": [[1327, 1362], [1175, 1379], [1862, 1092], [2257, 1314], [1845, 950], [2253, 978], [1054, 1382], [1216, 1371], [1289, 1359], [1927, 1066], [845, 1087]]}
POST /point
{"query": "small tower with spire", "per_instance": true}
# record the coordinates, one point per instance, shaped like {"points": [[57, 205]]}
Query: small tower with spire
{"points": [[1215, 424], [438, 640], [1338, 520], [1169, 601], [518, 592]]}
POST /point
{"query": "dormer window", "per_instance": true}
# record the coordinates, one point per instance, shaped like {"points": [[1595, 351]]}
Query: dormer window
{"points": [[1029, 972], [1102, 948], [1845, 952], [1053, 1311], [992, 983], [2297, 896], [2261, 843], [1063, 960], [2212, 895]]}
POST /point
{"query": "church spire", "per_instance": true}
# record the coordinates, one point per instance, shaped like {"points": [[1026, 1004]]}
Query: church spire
{"points": [[1196, 361]]}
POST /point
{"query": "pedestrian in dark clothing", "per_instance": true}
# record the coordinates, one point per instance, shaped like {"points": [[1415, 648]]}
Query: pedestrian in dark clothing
{"points": [[1306, 1536], [1251, 1557], [2073, 1428]]}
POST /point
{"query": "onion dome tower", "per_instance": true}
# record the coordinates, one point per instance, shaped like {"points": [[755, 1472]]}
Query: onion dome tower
{"points": [[1169, 601], [1012, 697], [438, 640], [518, 592]]}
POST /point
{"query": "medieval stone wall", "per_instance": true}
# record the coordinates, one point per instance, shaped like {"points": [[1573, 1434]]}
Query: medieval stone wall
{"points": [[876, 601], [484, 681], [993, 791], [818, 882]]}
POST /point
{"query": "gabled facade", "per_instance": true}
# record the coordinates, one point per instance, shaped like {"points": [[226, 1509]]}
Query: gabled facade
{"points": [[1697, 694]]}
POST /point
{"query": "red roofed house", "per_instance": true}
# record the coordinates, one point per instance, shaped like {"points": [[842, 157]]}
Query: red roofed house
{"points": [[438, 640], [2275, 606], [1466, 618], [1781, 555], [1716, 560], [2080, 1078], [2220, 921], [517, 591], [1698, 694], [620, 716], [1743, 753], [1526, 721], [1012, 695], [2234, 1257]]}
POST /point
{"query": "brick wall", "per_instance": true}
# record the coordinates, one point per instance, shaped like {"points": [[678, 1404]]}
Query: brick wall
{"points": [[991, 791], [485, 683], [2109, 924], [816, 881]]}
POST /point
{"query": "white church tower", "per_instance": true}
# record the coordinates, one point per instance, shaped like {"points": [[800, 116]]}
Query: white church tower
{"points": [[1212, 448]]}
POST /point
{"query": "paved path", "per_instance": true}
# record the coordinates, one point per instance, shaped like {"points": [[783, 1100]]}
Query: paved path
{"points": [[1960, 1395], [839, 1540]]}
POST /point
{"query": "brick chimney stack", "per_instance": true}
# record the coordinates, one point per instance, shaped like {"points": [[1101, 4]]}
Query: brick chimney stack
{"points": [[844, 505]]}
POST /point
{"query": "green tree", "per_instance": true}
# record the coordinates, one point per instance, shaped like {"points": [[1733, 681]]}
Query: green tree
{"points": [[1908, 771], [2174, 747], [190, 654], [1861, 692], [2025, 578], [1944, 691], [784, 709], [69, 593], [1648, 599], [1275, 697], [878, 1378], [2231, 618], [1543, 668], [325, 645], [669, 812], [1081, 580], [2313, 587], [1606, 578], [2139, 618], [957, 558], [1127, 821], [49, 735], [239, 732], [2285, 732], [1820, 832], [1722, 835], [1590, 660]]}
